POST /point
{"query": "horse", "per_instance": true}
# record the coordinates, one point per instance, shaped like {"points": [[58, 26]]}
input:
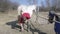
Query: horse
{"points": [[24, 14]]}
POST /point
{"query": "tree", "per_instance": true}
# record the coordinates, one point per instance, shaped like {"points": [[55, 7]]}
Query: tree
{"points": [[48, 4], [6, 4]]}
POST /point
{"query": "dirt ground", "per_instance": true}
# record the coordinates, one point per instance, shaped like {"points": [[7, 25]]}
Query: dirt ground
{"points": [[39, 26]]}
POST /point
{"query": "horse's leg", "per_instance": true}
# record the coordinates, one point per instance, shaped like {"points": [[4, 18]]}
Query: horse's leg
{"points": [[22, 27], [28, 25], [22, 23]]}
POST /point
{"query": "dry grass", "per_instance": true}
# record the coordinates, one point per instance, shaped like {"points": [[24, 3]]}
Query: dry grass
{"points": [[38, 27]]}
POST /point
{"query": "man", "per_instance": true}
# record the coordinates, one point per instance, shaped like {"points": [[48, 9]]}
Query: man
{"points": [[57, 21], [25, 13], [51, 15], [57, 24]]}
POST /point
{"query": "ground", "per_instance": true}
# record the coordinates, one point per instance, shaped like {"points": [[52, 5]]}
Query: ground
{"points": [[38, 26]]}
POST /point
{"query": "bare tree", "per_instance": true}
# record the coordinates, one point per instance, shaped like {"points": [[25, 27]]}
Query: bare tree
{"points": [[3, 5], [6, 4], [32, 1], [48, 3]]}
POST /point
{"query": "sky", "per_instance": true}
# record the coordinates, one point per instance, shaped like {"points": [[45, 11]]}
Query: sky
{"points": [[24, 2]]}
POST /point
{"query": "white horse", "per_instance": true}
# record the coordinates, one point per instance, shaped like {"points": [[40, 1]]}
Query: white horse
{"points": [[25, 12]]}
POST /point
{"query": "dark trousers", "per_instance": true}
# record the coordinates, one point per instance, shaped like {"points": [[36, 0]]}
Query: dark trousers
{"points": [[57, 27]]}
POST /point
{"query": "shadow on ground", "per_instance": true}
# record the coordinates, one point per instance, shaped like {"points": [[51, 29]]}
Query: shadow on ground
{"points": [[13, 26], [34, 29]]}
